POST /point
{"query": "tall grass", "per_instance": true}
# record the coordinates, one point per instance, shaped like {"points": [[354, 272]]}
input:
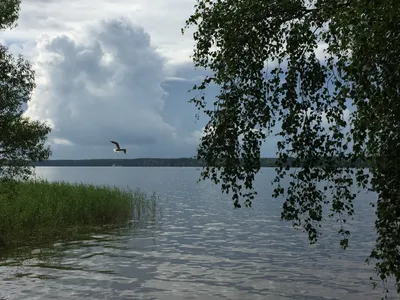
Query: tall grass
{"points": [[38, 210]]}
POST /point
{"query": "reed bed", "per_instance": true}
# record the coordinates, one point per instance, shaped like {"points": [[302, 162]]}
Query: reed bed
{"points": [[38, 210]]}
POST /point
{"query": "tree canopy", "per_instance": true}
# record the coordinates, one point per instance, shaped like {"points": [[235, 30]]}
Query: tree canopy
{"points": [[291, 69], [21, 139]]}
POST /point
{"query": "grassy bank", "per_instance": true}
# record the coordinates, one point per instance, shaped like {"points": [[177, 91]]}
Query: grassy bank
{"points": [[36, 211]]}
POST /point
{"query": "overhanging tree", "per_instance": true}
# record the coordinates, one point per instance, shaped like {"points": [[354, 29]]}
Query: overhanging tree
{"points": [[22, 141], [262, 54]]}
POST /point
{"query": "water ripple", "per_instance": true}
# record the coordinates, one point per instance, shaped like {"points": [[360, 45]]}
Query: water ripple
{"points": [[201, 249]]}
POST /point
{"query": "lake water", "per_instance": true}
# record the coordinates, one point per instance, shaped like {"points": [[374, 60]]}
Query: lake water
{"points": [[200, 249]]}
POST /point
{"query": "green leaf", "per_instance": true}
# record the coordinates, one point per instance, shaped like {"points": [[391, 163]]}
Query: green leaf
{"points": [[22, 141], [307, 96]]}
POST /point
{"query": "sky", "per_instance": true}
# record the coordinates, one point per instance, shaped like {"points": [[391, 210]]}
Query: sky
{"points": [[112, 70]]}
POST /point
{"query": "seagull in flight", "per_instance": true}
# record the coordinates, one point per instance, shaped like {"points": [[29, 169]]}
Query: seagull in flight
{"points": [[117, 148]]}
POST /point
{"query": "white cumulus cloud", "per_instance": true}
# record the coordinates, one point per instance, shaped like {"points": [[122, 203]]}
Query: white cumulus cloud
{"points": [[161, 19], [102, 83]]}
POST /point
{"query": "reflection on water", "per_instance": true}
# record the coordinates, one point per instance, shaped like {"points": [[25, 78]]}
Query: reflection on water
{"points": [[200, 249]]}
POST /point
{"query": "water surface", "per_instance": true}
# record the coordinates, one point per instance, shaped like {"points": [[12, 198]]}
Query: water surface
{"points": [[200, 249]]}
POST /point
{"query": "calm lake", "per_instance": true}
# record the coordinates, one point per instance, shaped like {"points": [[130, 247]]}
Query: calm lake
{"points": [[201, 248]]}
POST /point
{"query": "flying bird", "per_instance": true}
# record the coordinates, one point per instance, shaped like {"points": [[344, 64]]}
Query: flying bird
{"points": [[117, 148]]}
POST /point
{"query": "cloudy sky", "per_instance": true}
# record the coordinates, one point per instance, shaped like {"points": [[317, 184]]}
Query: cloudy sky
{"points": [[110, 69]]}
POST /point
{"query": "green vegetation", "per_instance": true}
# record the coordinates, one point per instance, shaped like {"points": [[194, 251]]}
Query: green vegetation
{"points": [[33, 211], [170, 162], [136, 162], [21, 139], [37, 211], [294, 69]]}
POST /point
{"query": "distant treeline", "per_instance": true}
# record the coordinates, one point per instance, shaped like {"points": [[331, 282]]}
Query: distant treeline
{"points": [[168, 162]]}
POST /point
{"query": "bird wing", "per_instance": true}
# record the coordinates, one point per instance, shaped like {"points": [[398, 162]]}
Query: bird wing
{"points": [[115, 143]]}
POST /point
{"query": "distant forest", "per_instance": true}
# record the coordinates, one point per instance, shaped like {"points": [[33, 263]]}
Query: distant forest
{"points": [[165, 162]]}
